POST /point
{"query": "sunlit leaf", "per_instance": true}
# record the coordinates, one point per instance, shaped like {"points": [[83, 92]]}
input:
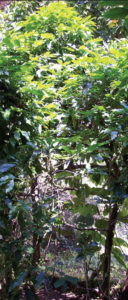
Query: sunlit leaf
{"points": [[114, 135], [118, 255], [18, 281], [10, 186], [5, 167]]}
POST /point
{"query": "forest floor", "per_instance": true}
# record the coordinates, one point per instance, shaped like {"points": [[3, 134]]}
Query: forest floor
{"points": [[64, 258], [57, 295]]}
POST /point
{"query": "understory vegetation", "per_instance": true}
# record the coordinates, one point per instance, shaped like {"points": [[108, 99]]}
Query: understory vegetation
{"points": [[63, 148]]}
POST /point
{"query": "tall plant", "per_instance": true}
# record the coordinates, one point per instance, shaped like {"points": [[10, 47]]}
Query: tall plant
{"points": [[67, 112]]}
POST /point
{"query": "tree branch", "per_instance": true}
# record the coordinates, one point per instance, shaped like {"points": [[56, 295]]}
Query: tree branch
{"points": [[83, 229]]}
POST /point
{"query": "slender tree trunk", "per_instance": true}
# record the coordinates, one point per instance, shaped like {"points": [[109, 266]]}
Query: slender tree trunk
{"points": [[6, 257], [8, 275], [36, 247], [108, 250], [124, 294], [36, 238], [7, 278], [86, 279]]}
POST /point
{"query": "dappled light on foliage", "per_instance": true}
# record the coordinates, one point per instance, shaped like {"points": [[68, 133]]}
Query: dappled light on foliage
{"points": [[63, 152]]}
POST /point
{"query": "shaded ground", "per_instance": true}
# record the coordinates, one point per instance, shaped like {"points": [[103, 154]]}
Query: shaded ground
{"points": [[57, 295]]}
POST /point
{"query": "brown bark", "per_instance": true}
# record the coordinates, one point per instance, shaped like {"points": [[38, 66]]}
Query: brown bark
{"points": [[108, 250], [124, 294], [36, 238], [36, 248]]}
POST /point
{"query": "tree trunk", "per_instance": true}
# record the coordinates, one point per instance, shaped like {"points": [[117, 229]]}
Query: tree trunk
{"points": [[36, 238], [124, 294], [36, 248], [108, 250], [86, 279]]}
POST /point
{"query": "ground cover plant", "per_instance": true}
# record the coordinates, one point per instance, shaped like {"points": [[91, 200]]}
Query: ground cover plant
{"points": [[63, 150]]}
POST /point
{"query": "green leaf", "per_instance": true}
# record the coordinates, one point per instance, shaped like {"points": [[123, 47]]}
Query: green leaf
{"points": [[5, 179], [26, 134], [5, 167], [10, 186], [29, 250], [95, 147], [63, 174], [60, 282], [21, 220], [38, 213], [120, 242], [40, 278], [17, 42], [87, 220], [17, 136], [32, 145], [101, 223], [6, 114], [114, 3], [87, 210], [8, 42], [126, 22], [114, 135], [2, 225], [92, 247], [124, 105], [118, 255], [18, 281], [116, 13], [71, 279]]}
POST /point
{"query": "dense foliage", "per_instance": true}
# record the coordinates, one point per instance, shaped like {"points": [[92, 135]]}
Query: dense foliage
{"points": [[64, 132]]}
